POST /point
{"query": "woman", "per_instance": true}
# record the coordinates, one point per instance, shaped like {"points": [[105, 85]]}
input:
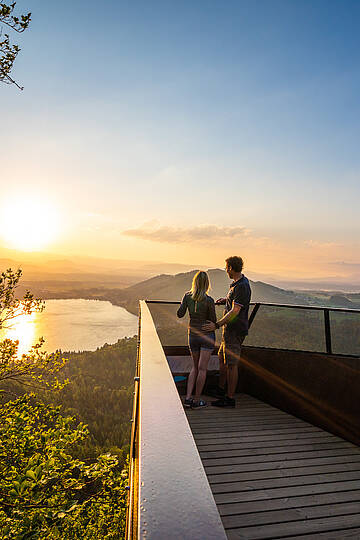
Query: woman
{"points": [[201, 309]]}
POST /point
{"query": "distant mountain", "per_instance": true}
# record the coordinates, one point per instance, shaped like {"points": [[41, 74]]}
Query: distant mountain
{"points": [[172, 288], [339, 300]]}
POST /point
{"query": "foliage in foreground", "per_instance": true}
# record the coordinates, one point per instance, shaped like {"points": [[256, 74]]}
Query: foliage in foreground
{"points": [[45, 492], [9, 51]]}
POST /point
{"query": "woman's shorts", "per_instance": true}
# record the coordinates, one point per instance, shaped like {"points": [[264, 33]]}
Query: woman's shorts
{"points": [[200, 341]]}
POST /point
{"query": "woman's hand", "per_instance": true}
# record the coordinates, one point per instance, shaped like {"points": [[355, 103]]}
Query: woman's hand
{"points": [[220, 302], [208, 326]]}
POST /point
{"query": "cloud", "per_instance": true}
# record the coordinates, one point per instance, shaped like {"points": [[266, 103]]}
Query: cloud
{"points": [[322, 245], [345, 264], [199, 233]]}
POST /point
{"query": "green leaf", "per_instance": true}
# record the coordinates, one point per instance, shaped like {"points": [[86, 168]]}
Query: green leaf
{"points": [[31, 474]]}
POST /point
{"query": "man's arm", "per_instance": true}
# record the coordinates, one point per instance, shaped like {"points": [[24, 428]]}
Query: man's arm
{"points": [[208, 327]]}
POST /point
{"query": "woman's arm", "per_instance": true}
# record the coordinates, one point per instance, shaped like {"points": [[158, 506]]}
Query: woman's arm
{"points": [[182, 309], [211, 311]]}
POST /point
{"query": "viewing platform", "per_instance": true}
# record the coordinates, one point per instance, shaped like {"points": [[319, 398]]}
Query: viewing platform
{"points": [[285, 463]]}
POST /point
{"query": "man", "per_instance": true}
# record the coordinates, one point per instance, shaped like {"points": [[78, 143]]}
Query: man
{"points": [[235, 328]]}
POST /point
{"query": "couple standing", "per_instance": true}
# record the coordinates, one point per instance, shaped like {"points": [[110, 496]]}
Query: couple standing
{"points": [[202, 327]]}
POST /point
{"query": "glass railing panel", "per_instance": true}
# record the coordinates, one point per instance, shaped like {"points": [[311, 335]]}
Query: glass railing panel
{"points": [[171, 330], [345, 332], [288, 328]]}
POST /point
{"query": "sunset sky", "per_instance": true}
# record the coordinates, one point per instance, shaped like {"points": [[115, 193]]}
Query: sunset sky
{"points": [[188, 131]]}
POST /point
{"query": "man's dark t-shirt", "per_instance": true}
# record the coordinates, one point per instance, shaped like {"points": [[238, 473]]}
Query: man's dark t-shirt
{"points": [[240, 293]]}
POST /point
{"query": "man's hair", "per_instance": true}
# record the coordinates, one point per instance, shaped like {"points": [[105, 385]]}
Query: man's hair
{"points": [[235, 262]]}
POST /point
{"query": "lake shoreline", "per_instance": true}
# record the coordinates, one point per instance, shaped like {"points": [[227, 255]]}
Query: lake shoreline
{"points": [[74, 324], [128, 306]]}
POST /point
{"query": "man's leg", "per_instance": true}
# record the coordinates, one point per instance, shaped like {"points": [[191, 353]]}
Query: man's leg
{"points": [[232, 357], [231, 353], [232, 379], [222, 366]]}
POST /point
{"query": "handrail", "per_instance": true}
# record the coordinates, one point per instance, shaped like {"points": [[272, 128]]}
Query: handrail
{"points": [[325, 309], [173, 496], [133, 487], [271, 304]]}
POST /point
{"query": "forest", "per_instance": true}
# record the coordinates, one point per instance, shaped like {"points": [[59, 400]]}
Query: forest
{"points": [[99, 393]]}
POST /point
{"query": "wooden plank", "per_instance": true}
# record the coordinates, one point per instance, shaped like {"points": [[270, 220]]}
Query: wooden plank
{"points": [[353, 533], [281, 530], [250, 433], [288, 502], [292, 491], [235, 413], [277, 449], [282, 473], [250, 424], [260, 443], [209, 414], [255, 465], [243, 409], [265, 437], [224, 428], [229, 487], [291, 514]]}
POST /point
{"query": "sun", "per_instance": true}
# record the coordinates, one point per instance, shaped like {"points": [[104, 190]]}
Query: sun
{"points": [[29, 224]]}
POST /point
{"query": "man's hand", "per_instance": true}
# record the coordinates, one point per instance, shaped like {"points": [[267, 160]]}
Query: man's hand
{"points": [[220, 301], [209, 326]]}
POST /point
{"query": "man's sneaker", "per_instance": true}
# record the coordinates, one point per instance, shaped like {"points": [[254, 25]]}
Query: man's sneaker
{"points": [[199, 404], [216, 391], [188, 402], [224, 402]]}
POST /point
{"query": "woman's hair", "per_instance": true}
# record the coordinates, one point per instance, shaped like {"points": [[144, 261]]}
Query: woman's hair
{"points": [[200, 286]]}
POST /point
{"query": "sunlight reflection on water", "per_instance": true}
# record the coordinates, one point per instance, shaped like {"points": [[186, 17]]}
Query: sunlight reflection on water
{"points": [[72, 325], [24, 329]]}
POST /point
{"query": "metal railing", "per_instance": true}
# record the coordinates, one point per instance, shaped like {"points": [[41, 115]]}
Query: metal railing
{"points": [[327, 324], [170, 496]]}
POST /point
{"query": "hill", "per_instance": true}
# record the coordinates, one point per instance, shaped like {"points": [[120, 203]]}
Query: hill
{"points": [[172, 288]]}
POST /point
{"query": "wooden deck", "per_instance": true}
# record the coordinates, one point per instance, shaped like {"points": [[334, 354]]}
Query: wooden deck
{"points": [[275, 476]]}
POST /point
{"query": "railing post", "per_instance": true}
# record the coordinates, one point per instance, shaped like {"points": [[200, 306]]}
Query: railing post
{"points": [[253, 313], [327, 331]]}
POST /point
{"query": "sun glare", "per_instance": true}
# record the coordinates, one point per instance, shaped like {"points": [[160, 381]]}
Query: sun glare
{"points": [[22, 329], [29, 224]]}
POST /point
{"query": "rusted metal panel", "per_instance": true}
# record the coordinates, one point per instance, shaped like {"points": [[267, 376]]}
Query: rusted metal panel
{"points": [[322, 389], [175, 500]]}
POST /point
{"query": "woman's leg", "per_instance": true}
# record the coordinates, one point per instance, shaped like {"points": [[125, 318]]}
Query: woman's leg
{"points": [[193, 373], [203, 364]]}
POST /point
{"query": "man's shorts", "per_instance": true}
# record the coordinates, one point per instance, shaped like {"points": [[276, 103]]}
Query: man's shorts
{"points": [[230, 349]]}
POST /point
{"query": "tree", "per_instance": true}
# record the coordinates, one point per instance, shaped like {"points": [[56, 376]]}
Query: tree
{"points": [[9, 51], [44, 491], [36, 368]]}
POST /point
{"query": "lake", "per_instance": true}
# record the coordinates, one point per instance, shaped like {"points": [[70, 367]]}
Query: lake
{"points": [[73, 325]]}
